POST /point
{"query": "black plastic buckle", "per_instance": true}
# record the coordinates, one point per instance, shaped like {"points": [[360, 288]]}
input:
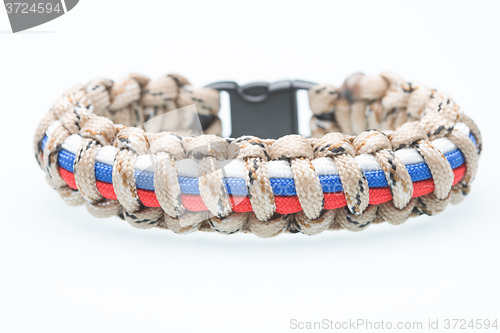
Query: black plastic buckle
{"points": [[266, 110]]}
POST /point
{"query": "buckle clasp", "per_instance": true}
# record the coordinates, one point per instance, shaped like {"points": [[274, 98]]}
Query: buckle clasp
{"points": [[263, 109]]}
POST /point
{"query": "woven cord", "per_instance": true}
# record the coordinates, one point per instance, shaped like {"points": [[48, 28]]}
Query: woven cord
{"points": [[255, 153], [339, 147], [110, 114], [299, 152], [167, 148]]}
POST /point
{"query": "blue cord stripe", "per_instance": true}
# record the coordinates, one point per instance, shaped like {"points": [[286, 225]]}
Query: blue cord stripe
{"points": [[280, 186]]}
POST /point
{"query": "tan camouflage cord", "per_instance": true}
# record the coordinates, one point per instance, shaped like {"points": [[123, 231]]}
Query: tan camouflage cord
{"points": [[405, 115]]}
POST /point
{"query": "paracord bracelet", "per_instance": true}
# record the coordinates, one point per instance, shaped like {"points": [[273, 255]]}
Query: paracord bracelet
{"points": [[423, 154]]}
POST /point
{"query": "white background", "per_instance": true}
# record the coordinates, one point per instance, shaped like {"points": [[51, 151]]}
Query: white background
{"points": [[61, 270]]}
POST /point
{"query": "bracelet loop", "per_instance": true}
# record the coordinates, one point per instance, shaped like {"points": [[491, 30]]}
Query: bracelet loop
{"points": [[382, 149]]}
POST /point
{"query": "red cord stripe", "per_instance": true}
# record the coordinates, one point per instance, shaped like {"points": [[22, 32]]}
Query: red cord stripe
{"points": [[284, 204]]}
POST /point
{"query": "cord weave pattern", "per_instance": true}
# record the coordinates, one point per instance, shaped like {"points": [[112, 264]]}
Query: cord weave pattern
{"points": [[167, 148], [423, 155], [255, 153]]}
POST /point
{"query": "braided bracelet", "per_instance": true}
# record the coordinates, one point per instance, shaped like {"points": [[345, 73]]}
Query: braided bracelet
{"points": [[95, 152]]}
